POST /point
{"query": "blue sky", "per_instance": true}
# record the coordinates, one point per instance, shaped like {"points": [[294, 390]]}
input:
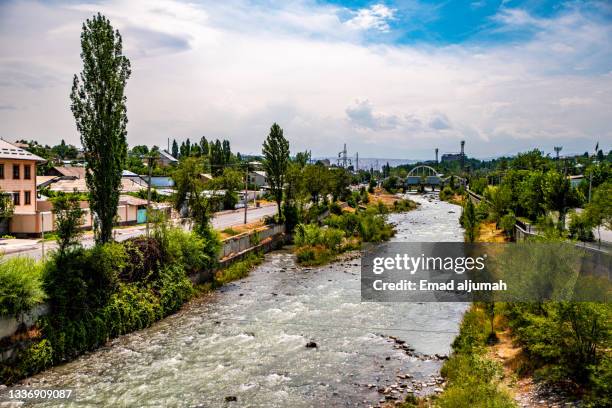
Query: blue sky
{"points": [[469, 21], [393, 78]]}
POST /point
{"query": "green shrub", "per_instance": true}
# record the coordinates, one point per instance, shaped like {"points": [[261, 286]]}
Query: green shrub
{"points": [[291, 215], [473, 379], [446, 193], [174, 288], [334, 208], [506, 223], [83, 279], [188, 249], [581, 227], [403, 205], [144, 257], [314, 255], [238, 270], [230, 231], [20, 285]]}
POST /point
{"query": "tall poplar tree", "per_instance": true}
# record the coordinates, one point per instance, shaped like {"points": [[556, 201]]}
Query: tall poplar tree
{"points": [[99, 108], [175, 149], [276, 159]]}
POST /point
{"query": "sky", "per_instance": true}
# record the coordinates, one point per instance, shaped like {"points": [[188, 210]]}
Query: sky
{"points": [[391, 79]]}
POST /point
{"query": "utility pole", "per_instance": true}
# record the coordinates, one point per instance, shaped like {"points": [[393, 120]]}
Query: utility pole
{"points": [[42, 229], [150, 159], [246, 191]]}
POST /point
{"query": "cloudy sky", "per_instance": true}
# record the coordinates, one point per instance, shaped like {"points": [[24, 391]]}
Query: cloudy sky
{"points": [[393, 78]]}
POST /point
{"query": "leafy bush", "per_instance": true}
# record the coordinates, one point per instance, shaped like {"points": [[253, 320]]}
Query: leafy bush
{"points": [[173, 287], [565, 341], [373, 228], [446, 193], [83, 279], [334, 208], [473, 379], [144, 257], [292, 216], [238, 270], [20, 285], [314, 255], [188, 249], [403, 205], [580, 227], [507, 222]]}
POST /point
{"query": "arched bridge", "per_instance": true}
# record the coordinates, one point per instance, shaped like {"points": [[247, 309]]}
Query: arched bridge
{"points": [[423, 175]]}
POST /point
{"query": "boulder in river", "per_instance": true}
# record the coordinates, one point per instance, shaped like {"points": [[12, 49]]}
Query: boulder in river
{"points": [[312, 344], [231, 398]]}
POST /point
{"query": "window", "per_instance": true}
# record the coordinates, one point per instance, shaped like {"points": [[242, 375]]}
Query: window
{"points": [[16, 171], [26, 172], [16, 197], [27, 199], [2, 171]]}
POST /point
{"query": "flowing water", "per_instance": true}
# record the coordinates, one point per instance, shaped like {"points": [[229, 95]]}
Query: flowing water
{"points": [[248, 339]]}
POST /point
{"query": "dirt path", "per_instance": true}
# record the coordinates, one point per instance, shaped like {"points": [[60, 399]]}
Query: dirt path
{"points": [[525, 391]]}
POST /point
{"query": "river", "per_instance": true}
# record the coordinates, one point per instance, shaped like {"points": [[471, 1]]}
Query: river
{"points": [[248, 340]]}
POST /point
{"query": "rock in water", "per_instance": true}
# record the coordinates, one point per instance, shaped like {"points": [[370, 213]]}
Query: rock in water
{"points": [[311, 344], [231, 398]]}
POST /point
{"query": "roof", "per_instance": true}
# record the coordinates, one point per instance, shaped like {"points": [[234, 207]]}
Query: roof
{"points": [[578, 177], [76, 172], [168, 156], [127, 173], [161, 181], [260, 173], [42, 181], [129, 200], [128, 185], [206, 176], [10, 151]]}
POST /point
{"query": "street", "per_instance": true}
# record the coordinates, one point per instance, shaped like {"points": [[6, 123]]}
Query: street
{"points": [[33, 247]]}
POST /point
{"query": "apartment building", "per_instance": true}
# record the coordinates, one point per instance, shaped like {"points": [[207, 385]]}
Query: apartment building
{"points": [[18, 176]]}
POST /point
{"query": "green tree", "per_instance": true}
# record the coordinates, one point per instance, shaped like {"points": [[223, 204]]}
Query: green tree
{"points": [[68, 220], [175, 149], [190, 193], [469, 221], [204, 146], [99, 108], [302, 158], [7, 208], [559, 195], [599, 210], [316, 181], [276, 159]]}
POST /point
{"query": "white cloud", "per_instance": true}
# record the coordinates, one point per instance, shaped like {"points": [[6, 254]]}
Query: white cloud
{"points": [[375, 17], [229, 69]]}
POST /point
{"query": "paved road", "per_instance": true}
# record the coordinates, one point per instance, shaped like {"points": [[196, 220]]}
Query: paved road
{"points": [[220, 221]]}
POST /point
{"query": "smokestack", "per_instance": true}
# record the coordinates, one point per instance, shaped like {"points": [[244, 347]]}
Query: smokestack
{"points": [[436, 155]]}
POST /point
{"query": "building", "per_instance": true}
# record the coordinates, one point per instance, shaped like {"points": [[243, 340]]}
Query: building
{"points": [[18, 176], [67, 171], [576, 180], [258, 178], [165, 159], [451, 157]]}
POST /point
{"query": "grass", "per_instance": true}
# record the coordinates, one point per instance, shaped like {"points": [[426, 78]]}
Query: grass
{"points": [[230, 231], [473, 380], [238, 270]]}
